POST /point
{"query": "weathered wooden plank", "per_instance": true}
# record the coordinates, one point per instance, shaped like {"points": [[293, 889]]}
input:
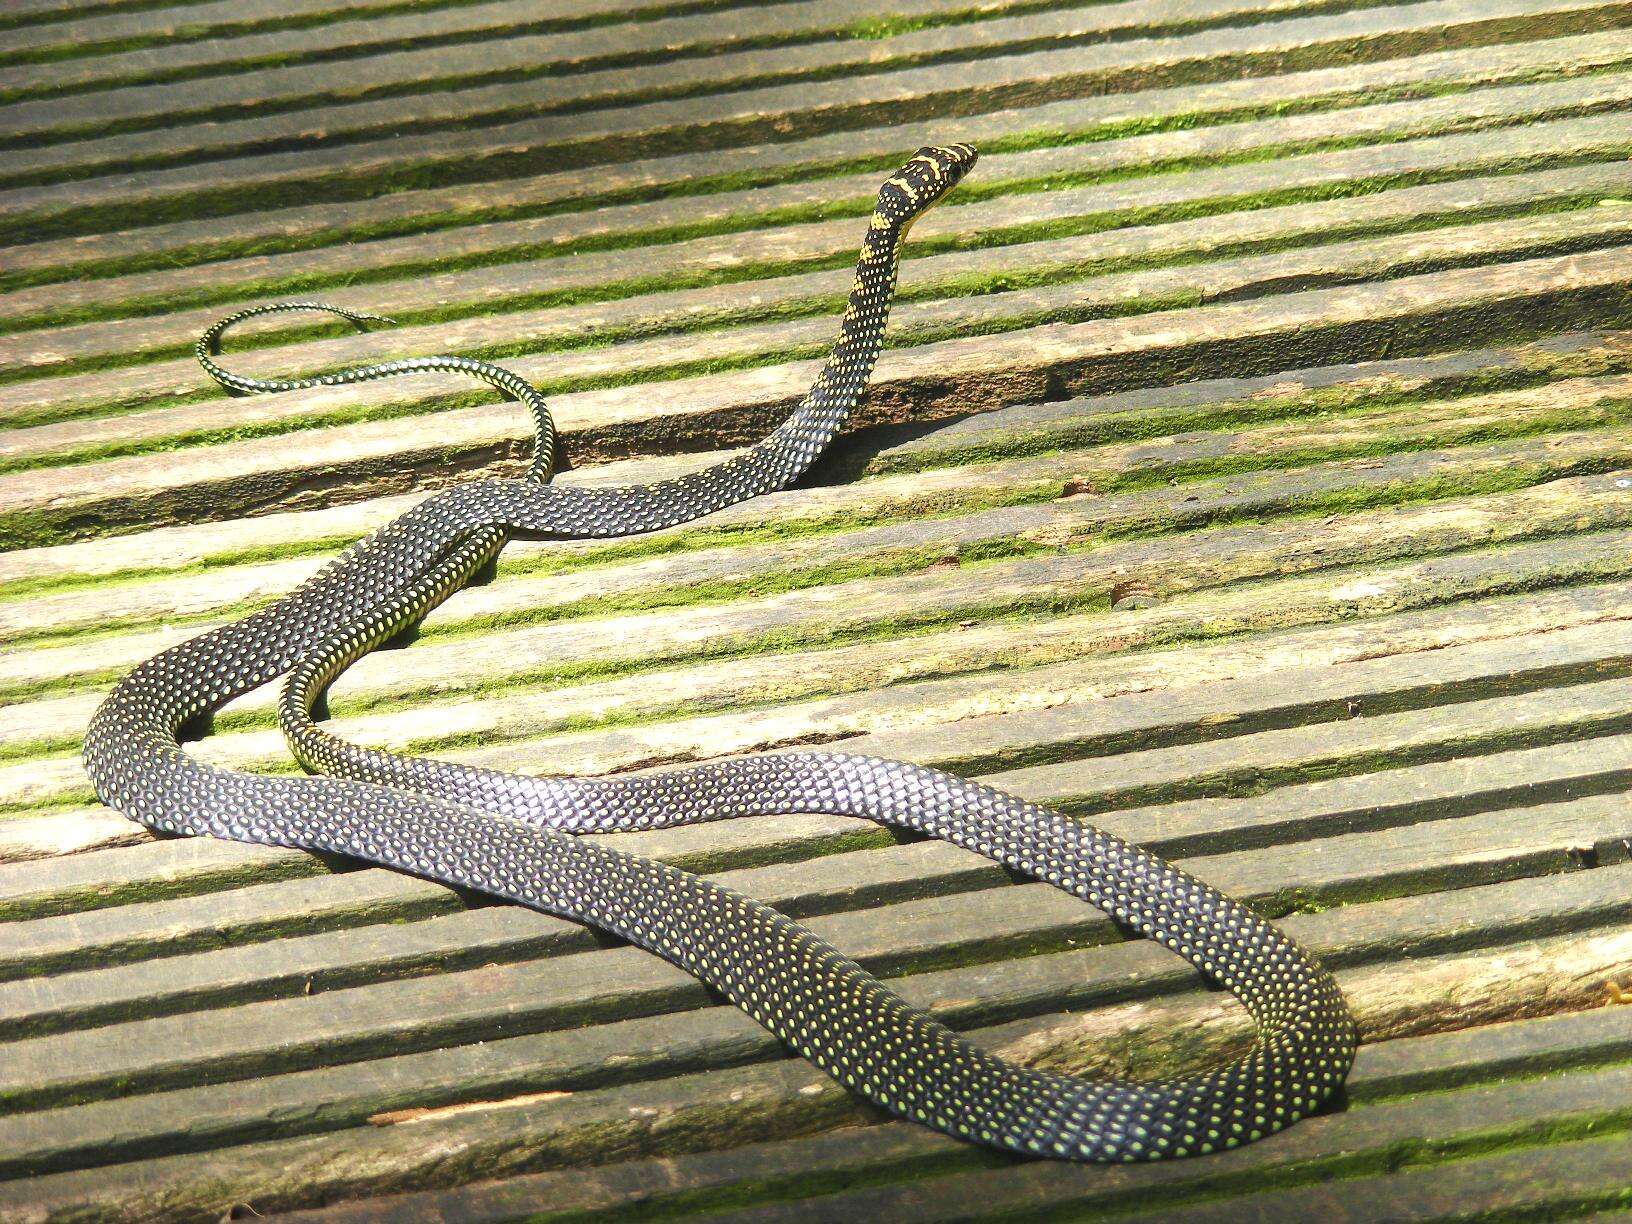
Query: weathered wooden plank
{"points": [[632, 131], [928, 735], [1050, 425], [1439, 629], [300, 961], [1369, 990], [1329, 806], [636, 311], [1029, 480], [1562, 1177], [48, 16], [490, 37], [602, 986], [157, 868], [57, 780], [187, 546], [49, 23], [1273, 701], [683, 1114], [70, 831], [1398, 795], [1020, 518], [718, 575], [1015, 429], [1573, 1175], [895, 1150], [696, 173], [547, 62], [1171, 564], [1034, 910], [1232, 764], [1461, 1057], [216, 419], [242, 911], [1522, 776], [163, 290], [345, 23], [1311, 326], [1062, 581]]}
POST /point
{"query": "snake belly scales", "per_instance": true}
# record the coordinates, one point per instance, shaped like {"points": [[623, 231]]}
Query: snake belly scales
{"points": [[514, 836]]}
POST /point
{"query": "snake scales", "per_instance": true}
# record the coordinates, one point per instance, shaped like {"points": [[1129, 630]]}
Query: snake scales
{"points": [[512, 836]]}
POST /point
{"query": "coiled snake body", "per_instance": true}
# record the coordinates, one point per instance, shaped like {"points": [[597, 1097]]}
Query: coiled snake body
{"points": [[513, 837]]}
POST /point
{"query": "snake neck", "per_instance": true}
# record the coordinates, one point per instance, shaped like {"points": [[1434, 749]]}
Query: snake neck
{"points": [[842, 382]]}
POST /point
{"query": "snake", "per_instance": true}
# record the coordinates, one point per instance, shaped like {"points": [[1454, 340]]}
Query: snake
{"points": [[517, 838]]}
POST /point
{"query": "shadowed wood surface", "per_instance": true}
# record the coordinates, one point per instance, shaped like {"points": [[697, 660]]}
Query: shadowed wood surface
{"points": [[1250, 473]]}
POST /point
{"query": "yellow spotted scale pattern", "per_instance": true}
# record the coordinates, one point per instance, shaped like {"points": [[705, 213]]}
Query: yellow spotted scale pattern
{"points": [[514, 837]]}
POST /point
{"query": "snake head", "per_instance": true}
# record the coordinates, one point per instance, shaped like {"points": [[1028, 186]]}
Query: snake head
{"points": [[919, 185]]}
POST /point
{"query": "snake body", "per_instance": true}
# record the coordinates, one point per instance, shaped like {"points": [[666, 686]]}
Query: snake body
{"points": [[514, 837]]}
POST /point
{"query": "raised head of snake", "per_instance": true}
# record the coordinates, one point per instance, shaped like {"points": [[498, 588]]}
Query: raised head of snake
{"points": [[920, 184]]}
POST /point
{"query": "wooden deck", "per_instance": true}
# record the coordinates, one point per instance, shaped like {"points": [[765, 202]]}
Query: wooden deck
{"points": [[1251, 473]]}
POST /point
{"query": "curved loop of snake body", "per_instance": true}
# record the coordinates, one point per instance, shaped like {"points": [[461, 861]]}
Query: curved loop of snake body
{"points": [[513, 836]]}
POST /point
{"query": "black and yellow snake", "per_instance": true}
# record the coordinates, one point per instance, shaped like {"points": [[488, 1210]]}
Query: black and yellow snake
{"points": [[512, 836]]}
